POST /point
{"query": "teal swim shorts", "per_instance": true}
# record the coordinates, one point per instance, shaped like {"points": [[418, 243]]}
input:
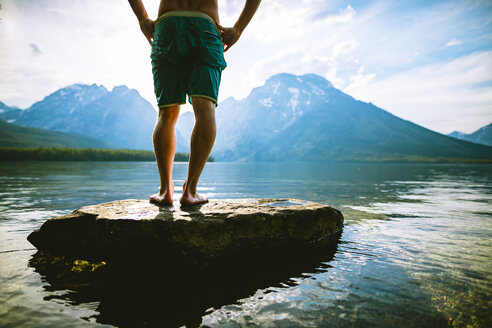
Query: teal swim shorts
{"points": [[187, 58]]}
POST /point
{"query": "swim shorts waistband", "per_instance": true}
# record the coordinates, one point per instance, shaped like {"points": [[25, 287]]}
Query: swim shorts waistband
{"points": [[184, 13]]}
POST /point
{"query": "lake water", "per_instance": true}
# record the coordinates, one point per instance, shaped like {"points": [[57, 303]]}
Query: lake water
{"points": [[416, 248]]}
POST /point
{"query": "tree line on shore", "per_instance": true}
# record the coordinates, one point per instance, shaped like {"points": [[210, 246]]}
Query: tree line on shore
{"points": [[76, 154], [128, 155]]}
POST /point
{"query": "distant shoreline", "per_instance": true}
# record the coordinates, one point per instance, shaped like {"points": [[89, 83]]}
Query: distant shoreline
{"points": [[85, 154], [424, 160], [129, 155]]}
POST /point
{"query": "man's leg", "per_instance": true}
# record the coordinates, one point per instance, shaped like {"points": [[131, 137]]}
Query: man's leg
{"points": [[202, 141], [164, 148]]}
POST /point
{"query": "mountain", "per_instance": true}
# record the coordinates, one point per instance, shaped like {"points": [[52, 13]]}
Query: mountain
{"points": [[481, 136], [305, 118], [16, 136], [288, 118], [120, 118], [8, 113]]}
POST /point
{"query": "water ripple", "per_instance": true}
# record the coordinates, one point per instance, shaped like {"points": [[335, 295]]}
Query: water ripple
{"points": [[416, 245]]}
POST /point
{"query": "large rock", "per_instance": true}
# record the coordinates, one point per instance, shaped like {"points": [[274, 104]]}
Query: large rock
{"points": [[216, 230]]}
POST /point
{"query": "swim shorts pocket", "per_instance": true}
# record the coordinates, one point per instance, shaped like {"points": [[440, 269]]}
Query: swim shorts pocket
{"points": [[211, 50], [212, 33]]}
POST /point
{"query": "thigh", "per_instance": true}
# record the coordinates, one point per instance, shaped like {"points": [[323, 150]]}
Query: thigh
{"points": [[169, 84]]}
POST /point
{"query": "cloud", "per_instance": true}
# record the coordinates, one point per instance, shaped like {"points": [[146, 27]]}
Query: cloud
{"points": [[360, 80], [454, 95], [230, 9], [79, 45], [35, 49], [453, 42], [344, 47], [341, 16]]}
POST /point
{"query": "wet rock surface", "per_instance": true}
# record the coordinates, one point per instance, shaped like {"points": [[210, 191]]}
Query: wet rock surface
{"points": [[198, 234]]}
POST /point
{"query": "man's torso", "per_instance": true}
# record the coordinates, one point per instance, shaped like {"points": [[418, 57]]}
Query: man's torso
{"points": [[209, 7]]}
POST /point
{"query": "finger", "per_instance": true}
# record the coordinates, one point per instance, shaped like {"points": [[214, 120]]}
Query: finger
{"points": [[148, 39], [220, 27]]}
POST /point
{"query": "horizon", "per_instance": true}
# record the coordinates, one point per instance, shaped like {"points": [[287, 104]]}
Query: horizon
{"points": [[429, 63]]}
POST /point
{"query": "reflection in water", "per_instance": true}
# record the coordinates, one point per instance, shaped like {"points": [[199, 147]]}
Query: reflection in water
{"points": [[360, 287], [415, 251], [440, 227], [135, 294]]}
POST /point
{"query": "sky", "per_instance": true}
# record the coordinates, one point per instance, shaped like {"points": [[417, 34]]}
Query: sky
{"points": [[429, 62]]}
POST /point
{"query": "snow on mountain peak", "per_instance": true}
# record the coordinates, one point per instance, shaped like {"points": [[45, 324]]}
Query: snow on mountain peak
{"points": [[294, 98], [310, 82], [267, 102]]}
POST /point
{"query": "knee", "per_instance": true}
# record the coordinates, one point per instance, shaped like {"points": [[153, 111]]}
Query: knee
{"points": [[204, 109]]}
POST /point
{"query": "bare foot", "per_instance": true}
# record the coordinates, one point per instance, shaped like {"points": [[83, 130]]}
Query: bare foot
{"points": [[163, 198], [191, 198], [188, 199]]}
